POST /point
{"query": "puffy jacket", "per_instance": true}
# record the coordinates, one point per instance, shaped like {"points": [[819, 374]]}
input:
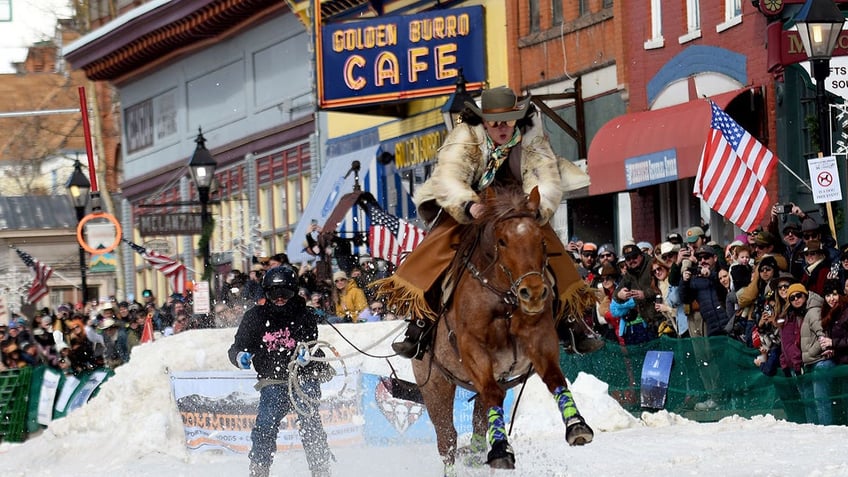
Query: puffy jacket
{"points": [[711, 297], [811, 329]]}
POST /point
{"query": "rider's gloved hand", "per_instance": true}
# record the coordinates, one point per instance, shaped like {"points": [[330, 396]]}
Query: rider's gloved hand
{"points": [[302, 357], [244, 358]]}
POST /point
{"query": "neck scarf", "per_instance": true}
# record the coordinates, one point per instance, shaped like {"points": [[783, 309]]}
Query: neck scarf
{"points": [[496, 158]]}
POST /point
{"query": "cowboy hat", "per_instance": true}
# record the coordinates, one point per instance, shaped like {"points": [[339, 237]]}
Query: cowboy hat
{"points": [[500, 104]]}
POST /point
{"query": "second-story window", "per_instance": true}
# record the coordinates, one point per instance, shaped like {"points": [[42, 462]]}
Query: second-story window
{"points": [[656, 39], [534, 16], [583, 7], [693, 21], [556, 12]]}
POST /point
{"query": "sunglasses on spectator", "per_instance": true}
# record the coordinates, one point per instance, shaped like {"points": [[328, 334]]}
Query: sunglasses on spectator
{"points": [[588, 254], [341, 280], [658, 269], [791, 232], [797, 296], [810, 236], [497, 124], [783, 286], [605, 255], [766, 268]]}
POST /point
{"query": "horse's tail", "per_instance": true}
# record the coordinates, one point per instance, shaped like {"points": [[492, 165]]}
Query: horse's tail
{"points": [[402, 297], [575, 300]]}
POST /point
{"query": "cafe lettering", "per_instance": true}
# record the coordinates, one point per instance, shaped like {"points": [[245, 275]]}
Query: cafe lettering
{"points": [[400, 57]]}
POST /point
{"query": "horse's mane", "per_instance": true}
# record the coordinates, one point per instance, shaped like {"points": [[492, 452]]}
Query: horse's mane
{"points": [[502, 202]]}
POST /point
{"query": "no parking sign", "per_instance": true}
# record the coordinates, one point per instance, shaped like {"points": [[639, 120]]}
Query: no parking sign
{"points": [[824, 179]]}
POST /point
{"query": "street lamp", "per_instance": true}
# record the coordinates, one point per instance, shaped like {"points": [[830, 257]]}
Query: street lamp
{"points": [[202, 167], [455, 104], [78, 187], [819, 24]]}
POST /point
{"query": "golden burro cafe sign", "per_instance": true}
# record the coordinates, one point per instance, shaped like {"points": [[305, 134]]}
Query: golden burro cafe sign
{"points": [[398, 58]]}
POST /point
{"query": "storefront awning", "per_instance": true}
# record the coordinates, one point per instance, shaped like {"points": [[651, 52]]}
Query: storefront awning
{"points": [[651, 147], [331, 187]]}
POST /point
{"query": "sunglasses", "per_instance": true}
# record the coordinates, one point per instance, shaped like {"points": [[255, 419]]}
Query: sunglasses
{"points": [[791, 232], [766, 269], [588, 254], [497, 124], [810, 236], [341, 280], [797, 296], [605, 255], [655, 270], [783, 286]]}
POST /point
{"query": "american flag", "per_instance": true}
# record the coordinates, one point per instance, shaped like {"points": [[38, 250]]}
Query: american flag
{"points": [[733, 172], [390, 237], [41, 273], [173, 270]]}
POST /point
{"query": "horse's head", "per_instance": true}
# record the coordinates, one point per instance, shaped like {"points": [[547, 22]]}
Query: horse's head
{"points": [[513, 232]]}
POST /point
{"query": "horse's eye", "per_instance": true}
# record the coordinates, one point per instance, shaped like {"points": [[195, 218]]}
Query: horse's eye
{"points": [[501, 243]]}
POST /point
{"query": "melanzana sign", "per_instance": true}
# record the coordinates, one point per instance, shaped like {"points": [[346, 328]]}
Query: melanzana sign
{"points": [[397, 58]]}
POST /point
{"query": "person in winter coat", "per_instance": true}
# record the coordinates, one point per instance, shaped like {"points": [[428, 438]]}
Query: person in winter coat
{"points": [[270, 337], [349, 298], [816, 391], [702, 285]]}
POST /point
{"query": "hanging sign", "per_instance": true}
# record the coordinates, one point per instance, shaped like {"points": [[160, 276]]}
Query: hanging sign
{"points": [[99, 233]]}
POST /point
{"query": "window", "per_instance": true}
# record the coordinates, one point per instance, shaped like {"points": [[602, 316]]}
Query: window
{"points": [[693, 21], [582, 7], [534, 16], [732, 15], [656, 39], [556, 12], [607, 4]]}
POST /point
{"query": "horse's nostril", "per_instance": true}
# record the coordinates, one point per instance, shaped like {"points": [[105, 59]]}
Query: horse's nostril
{"points": [[544, 293], [524, 293]]}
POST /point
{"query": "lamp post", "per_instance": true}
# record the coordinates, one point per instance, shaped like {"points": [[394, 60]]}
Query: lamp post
{"points": [[78, 187], [819, 24], [202, 167], [455, 104]]}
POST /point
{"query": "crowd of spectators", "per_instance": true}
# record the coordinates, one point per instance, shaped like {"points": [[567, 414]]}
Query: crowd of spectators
{"points": [[780, 290], [82, 337]]}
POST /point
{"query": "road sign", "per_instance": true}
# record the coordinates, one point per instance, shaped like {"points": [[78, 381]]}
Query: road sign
{"points": [[170, 224]]}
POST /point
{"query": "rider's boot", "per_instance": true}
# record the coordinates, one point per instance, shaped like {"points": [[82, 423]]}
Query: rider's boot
{"points": [[416, 340], [576, 337]]}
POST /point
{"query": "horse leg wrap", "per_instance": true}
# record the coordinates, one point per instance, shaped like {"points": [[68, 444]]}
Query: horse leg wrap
{"points": [[497, 427], [501, 455], [577, 432], [474, 454]]}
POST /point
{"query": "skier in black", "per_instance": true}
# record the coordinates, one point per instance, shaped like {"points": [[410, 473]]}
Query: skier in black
{"points": [[268, 337]]}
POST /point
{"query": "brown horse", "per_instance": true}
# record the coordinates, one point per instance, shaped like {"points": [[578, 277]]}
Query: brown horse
{"points": [[497, 328]]}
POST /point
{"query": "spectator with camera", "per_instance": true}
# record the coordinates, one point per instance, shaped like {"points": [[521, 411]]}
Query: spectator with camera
{"points": [[700, 283]]}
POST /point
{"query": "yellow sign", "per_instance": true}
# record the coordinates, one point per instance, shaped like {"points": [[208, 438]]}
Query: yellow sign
{"points": [[100, 236]]}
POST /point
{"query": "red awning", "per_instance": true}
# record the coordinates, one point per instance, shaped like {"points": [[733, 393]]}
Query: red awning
{"points": [[651, 147]]}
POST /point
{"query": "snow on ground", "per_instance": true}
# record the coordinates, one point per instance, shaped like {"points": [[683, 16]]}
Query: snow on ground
{"points": [[132, 428]]}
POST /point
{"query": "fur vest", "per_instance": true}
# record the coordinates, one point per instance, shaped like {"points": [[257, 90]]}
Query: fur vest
{"points": [[462, 160]]}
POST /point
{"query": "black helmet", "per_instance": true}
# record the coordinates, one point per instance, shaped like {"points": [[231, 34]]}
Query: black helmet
{"points": [[280, 281]]}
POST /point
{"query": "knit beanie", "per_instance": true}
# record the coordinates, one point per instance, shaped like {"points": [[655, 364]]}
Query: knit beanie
{"points": [[796, 288]]}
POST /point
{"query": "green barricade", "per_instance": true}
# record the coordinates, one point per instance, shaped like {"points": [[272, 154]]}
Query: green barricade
{"points": [[717, 369], [14, 393]]}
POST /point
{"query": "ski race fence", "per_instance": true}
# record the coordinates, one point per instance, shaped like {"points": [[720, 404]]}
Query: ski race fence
{"points": [[678, 375]]}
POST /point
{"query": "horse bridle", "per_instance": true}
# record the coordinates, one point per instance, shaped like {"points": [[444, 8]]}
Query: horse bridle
{"points": [[510, 296]]}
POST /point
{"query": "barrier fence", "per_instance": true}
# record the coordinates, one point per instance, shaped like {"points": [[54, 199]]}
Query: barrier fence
{"points": [[715, 369]]}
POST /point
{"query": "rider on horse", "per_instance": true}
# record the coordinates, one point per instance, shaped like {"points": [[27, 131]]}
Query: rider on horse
{"points": [[496, 145]]}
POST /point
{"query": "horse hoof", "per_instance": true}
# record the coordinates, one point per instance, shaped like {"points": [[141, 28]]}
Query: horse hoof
{"points": [[577, 432], [470, 456], [450, 470], [501, 456]]}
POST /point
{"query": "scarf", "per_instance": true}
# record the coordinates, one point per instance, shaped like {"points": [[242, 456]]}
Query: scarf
{"points": [[496, 158]]}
